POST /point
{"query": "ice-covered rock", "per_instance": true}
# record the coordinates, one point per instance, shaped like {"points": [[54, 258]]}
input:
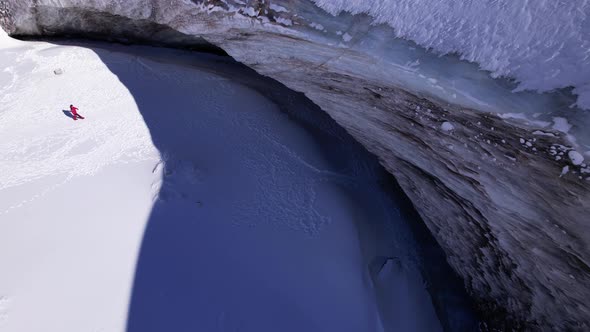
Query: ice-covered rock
{"points": [[513, 228]]}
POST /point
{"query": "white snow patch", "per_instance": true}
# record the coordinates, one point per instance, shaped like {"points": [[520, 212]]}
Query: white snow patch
{"points": [[346, 37], [317, 26], [278, 8], [284, 21], [523, 116], [250, 11], [561, 124], [6, 41], [543, 133], [564, 170]]}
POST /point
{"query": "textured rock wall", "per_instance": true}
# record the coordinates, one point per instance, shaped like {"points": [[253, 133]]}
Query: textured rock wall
{"points": [[489, 189]]}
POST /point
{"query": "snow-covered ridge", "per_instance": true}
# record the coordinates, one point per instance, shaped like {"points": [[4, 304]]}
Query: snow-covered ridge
{"points": [[542, 44]]}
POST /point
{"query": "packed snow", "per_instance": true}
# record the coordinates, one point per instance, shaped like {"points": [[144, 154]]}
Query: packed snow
{"points": [[542, 44], [187, 201]]}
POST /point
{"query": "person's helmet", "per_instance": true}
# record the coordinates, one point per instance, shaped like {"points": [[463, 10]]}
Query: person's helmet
{"points": [[71, 105]]}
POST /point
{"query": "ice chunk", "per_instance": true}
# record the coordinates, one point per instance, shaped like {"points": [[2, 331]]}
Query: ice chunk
{"points": [[564, 170], [447, 126], [575, 157]]}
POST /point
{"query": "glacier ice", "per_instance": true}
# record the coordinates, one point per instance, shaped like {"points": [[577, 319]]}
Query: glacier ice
{"points": [[542, 44]]}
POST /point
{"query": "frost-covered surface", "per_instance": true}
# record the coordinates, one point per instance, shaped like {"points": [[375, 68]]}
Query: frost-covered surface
{"points": [[186, 201], [543, 44]]}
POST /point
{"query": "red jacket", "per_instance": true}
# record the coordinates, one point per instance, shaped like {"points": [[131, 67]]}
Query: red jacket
{"points": [[73, 109]]}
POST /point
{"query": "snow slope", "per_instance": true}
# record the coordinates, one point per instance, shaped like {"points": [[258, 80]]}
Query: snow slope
{"points": [[69, 236], [185, 201], [542, 44]]}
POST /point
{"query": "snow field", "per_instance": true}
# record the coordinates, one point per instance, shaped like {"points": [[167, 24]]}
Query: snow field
{"points": [[184, 201]]}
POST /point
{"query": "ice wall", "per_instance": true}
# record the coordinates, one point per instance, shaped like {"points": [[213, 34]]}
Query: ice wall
{"points": [[543, 44]]}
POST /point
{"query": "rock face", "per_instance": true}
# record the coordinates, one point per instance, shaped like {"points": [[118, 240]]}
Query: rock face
{"points": [[501, 196]]}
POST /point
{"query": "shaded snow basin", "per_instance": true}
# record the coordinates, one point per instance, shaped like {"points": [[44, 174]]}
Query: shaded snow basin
{"points": [[193, 197]]}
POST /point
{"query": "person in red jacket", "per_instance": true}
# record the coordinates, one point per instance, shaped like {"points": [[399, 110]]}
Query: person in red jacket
{"points": [[75, 114]]}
